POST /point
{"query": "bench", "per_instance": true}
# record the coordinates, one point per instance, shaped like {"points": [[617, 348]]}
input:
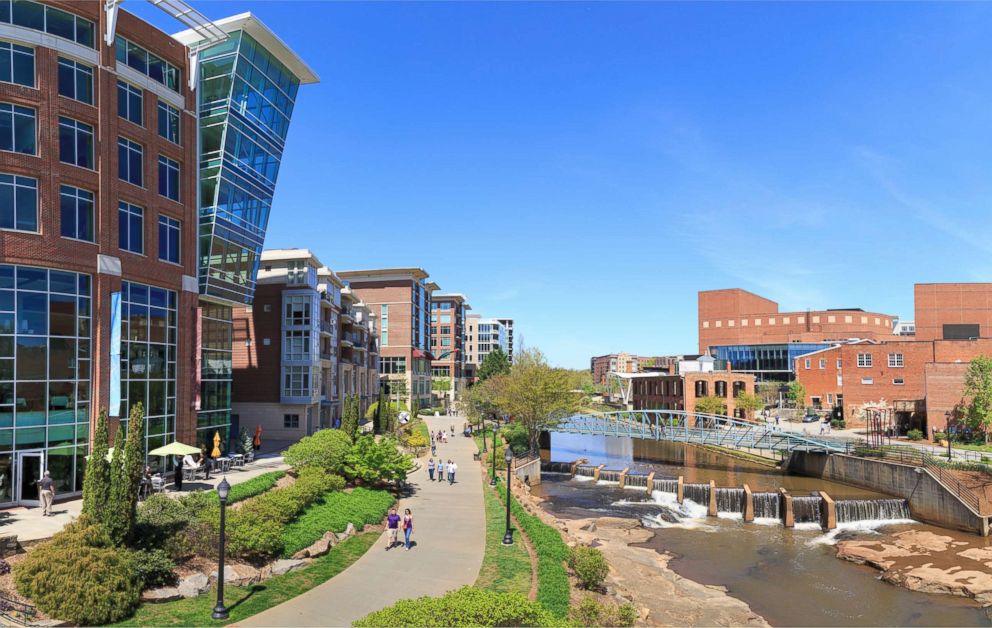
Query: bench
{"points": [[476, 456]]}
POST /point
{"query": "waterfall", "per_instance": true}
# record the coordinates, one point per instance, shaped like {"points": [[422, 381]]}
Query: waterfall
{"points": [[699, 493], [556, 467], [766, 505], [585, 470], [666, 485], [730, 500], [849, 510], [636, 480], [610, 475], [806, 508]]}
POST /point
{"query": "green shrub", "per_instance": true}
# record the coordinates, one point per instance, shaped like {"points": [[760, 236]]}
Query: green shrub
{"points": [[372, 462], [253, 487], [838, 424], [914, 435], [940, 436], [467, 606], [253, 536], [589, 566], [334, 512], [324, 450], [153, 568], [78, 576], [161, 524], [592, 613], [516, 435]]}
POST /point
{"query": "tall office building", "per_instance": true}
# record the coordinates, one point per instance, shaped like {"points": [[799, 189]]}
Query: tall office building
{"points": [[508, 324], [484, 336]]}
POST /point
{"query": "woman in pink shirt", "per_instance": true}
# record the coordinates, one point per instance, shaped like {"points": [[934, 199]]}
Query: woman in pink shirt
{"points": [[407, 527]]}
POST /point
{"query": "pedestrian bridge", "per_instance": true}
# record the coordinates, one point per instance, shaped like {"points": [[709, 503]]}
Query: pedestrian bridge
{"points": [[691, 427]]}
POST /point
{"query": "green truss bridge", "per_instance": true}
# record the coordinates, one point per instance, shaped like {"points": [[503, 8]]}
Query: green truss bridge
{"points": [[697, 428]]}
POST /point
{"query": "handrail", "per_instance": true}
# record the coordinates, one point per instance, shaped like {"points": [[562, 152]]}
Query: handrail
{"points": [[964, 493], [17, 612]]}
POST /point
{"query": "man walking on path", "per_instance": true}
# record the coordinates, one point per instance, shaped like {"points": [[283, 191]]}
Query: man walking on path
{"points": [[440, 470], [452, 467], [430, 468], [46, 491], [392, 528]]}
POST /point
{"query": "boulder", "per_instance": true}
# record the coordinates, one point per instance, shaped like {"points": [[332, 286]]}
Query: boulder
{"points": [[194, 585], [163, 594], [238, 575], [590, 527], [350, 530], [320, 547], [286, 565]]}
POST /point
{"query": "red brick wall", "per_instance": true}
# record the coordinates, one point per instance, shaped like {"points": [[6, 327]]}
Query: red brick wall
{"points": [[821, 382], [678, 392], [257, 367], [952, 303], [945, 390]]}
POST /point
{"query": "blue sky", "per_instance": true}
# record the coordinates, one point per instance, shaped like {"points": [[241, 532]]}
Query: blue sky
{"points": [[586, 168]]}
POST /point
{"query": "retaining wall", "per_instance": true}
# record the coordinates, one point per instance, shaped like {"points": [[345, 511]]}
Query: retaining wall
{"points": [[929, 500]]}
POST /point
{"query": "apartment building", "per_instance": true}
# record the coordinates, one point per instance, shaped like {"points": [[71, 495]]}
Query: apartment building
{"points": [[484, 335], [359, 354], [508, 324], [681, 390], [748, 331], [449, 335], [401, 300], [920, 378], [602, 365]]}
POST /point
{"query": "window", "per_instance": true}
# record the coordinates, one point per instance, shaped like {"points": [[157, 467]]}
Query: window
{"points": [[392, 366], [18, 203], [168, 178], [823, 363], [867, 381], [291, 421], [17, 129], [16, 64], [898, 381], [168, 122], [895, 360], [48, 20], [296, 344], [75, 143], [298, 311], [130, 227], [864, 360], [806, 363], [130, 103], [136, 57], [76, 207], [129, 161], [296, 381], [839, 361], [75, 80], [446, 318], [169, 231]]}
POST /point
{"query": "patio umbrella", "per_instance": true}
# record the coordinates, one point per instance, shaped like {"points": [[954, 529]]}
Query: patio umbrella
{"points": [[108, 457], [258, 437], [175, 448], [216, 452]]}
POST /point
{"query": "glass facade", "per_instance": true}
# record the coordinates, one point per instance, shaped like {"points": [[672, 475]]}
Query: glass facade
{"points": [[214, 415], [773, 361], [246, 100], [45, 335], [148, 360]]}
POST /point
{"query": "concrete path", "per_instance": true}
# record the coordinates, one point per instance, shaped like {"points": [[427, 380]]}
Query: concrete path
{"points": [[450, 532]]}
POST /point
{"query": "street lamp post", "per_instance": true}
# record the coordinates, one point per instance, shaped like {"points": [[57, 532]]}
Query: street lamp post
{"points": [[508, 537], [492, 478], [220, 611], [484, 441]]}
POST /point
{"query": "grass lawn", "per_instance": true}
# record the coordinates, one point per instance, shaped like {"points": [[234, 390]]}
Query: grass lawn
{"points": [[243, 602], [505, 568]]}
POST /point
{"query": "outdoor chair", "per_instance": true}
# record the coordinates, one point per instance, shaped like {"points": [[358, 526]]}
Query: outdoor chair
{"points": [[158, 484]]}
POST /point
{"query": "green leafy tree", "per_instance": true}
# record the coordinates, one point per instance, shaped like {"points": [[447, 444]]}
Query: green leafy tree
{"points": [[797, 394], [495, 363], [350, 416], [441, 384], [125, 478], [711, 405], [978, 392], [749, 403], [96, 481], [372, 462], [414, 409], [537, 395], [325, 450]]}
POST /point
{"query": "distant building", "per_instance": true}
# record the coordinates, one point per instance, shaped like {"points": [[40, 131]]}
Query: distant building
{"points": [[602, 365], [449, 337], [508, 324], [681, 390]]}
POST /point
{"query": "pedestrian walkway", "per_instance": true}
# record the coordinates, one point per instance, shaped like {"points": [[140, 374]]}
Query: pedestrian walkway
{"points": [[450, 532]]}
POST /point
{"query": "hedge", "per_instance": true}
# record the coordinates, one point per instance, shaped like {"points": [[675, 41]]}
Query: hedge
{"points": [[552, 578], [334, 512], [467, 606]]}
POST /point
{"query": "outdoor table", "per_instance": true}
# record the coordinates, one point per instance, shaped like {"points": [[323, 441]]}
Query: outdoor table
{"points": [[238, 460], [223, 464]]}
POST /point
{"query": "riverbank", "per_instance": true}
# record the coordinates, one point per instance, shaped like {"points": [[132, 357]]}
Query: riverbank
{"points": [[642, 575]]}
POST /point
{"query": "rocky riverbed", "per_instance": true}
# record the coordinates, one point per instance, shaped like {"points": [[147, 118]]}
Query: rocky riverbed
{"points": [[643, 576], [928, 560]]}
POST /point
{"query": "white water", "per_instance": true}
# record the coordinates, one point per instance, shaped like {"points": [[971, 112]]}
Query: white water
{"points": [[867, 527], [688, 509]]}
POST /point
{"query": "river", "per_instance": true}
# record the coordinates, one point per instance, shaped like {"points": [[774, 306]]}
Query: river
{"points": [[789, 576]]}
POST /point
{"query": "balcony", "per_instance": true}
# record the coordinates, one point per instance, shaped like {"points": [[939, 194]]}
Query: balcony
{"points": [[327, 356], [326, 327]]}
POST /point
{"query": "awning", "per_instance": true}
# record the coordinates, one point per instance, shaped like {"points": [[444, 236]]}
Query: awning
{"points": [[417, 353]]}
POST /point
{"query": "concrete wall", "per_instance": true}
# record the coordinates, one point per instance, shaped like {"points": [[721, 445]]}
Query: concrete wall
{"points": [[529, 470], [928, 500]]}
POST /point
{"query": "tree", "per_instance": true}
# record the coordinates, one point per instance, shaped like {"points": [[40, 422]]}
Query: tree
{"points": [[797, 394], [483, 400], [441, 384], [769, 392], [537, 395], [325, 450], [749, 403], [978, 391], [96, 481], [495, 363], [711, 405], [371, 461], [349, 415], [125, 478]]}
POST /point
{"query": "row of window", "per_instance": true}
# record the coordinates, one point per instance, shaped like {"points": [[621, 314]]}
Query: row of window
{"points": [[49, 20], [896, 381], [19, 210], [865, 360], [799, 320]]}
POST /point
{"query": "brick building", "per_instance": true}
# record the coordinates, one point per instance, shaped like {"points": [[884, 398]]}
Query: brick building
{"points": [[602, 365], [920, 378], [449, 334], [681, 391], [401, 300], [100, 278]]}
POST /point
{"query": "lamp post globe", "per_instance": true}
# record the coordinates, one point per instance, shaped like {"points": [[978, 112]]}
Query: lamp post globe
{"points": [[508, 537], [220, 611]]}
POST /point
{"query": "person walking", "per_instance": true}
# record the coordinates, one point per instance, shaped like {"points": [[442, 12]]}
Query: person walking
{"points": [[407, 527], [46, 492], [430, 468], [392, 528], [177, 475], [452, 467], [440, 470]]}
